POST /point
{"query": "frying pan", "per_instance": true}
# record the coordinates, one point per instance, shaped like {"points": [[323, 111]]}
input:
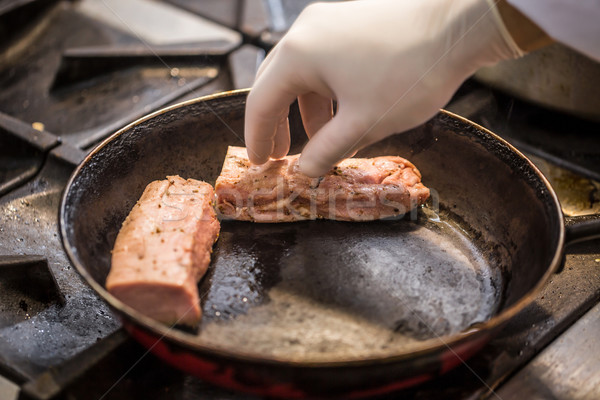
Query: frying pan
{"points": [[331, 308]]}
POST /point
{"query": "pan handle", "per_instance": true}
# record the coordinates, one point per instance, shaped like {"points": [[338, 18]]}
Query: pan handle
{"points": [[580, 228]]}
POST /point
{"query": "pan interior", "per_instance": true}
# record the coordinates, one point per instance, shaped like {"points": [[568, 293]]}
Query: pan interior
{"points": [[321, 290], [327, 290]]}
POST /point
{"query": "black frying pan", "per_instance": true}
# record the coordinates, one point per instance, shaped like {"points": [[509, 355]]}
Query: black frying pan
{"points": [[326, 308]]}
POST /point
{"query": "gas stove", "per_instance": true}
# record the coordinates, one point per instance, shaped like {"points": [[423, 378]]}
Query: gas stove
{"points": [[74, 72]]}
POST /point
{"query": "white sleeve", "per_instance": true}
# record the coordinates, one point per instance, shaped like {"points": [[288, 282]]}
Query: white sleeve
{"points": [[574, 23]]}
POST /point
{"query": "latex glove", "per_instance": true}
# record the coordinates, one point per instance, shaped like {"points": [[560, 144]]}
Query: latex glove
{"points": [[573, 23], [390, 64]]}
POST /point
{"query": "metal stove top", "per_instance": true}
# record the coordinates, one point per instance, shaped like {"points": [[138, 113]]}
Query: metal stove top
{"points": [[74, 72]]}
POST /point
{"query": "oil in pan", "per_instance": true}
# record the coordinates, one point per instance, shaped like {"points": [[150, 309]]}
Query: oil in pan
{"points": [[323, 290]]}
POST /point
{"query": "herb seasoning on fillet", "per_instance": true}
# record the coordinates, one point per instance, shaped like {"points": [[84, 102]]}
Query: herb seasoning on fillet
{"points": [[164, 248], [357, 189]]}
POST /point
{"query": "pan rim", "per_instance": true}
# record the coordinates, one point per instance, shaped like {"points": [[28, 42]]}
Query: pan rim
{"points": [[429, 346]]}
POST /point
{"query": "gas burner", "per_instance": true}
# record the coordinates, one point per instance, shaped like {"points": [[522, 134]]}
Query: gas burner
{"points": [[29, 280]]}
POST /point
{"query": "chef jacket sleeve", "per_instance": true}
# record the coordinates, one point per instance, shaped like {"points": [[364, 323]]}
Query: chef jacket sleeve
{"points": [[574, 23]]}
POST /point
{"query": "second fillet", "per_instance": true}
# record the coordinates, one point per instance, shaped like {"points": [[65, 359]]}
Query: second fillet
{"points": [[357, 189], [164, 248]]}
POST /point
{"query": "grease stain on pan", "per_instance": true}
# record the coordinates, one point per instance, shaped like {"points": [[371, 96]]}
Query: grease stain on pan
{"points": [[317, 290]]}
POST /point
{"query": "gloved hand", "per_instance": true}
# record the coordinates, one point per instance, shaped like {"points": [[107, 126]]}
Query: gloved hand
{"points": [[389, 64]]}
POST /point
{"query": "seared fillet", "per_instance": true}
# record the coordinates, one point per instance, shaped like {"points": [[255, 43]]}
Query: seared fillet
{"points": [[357, 189], [164, 248]]}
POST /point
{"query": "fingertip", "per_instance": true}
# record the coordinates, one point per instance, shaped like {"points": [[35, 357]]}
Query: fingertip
{"points": [[313, 167], [337, 139], [254, 160], [259, 150], [256, 156], [280, 152]]}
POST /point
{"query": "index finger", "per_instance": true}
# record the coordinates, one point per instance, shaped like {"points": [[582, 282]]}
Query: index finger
{"points": [[266, 106]]}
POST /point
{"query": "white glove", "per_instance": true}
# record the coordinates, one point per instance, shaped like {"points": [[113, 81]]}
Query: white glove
{"points": [[390, 64], [573, 23]]}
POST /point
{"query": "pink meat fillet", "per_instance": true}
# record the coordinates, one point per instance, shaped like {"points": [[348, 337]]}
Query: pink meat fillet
{"points": [[357, 189], [164, 248]]}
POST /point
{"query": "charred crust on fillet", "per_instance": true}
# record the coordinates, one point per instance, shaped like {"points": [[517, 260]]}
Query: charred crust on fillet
{"points": [[319, 180]]}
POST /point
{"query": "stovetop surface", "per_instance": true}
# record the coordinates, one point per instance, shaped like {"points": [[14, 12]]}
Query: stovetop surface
{"points": [[69, 80]]}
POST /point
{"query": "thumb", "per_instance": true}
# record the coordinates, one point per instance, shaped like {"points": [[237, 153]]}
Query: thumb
{"points": [[337, 139]]}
